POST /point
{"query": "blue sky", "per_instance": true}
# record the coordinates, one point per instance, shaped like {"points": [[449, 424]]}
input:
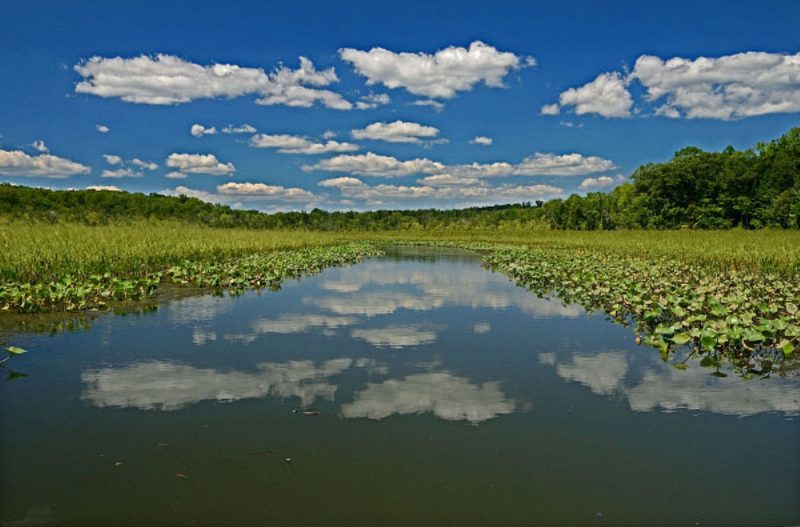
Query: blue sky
{"points": [[571, 96]]}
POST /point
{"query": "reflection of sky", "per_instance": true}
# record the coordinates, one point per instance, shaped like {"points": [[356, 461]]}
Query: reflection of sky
{"points": [[442, 394], [387, 305], [158, 385], [170, 386], [663, 387], [382, 288], [396, 336]]}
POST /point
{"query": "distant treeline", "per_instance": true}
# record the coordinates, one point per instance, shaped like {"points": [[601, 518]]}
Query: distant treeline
{"points": [[706, 190]]}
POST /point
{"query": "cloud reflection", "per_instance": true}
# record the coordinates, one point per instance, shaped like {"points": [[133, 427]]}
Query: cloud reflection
{"points": [[459, 285], [662, 387], [442, 394], [160, 385], [397, 336]]}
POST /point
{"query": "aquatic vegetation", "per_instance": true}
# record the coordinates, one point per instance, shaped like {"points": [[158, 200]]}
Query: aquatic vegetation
{"points": [[259, 270], [748, 318]]}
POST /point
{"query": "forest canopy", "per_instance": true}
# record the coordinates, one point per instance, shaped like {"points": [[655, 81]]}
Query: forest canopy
{"points": [[754, 188]]}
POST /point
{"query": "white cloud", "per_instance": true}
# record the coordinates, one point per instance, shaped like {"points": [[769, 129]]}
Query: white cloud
{"points": [[436, 105], [287, 86], [40, 147], [437, 76], [294, 144], [198, 130], [103, 129], [176, 175], [550, 109], [120, 173], [241, 129], [461, 194], [199, 164], [602, 182], [728, 87], [539, 164], [448, 180], [396, 132], [375, 165], [481, 140], [329, 134], [607, 95], [18, 163], [263, 191], [442, 394], [111, 188], [397, 336], [192, 193], [149, 165], [112, 159], [167, 79], [368, 102], [341, 182]]}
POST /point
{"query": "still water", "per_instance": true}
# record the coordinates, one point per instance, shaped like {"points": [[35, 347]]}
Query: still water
{"points": [[416, 388]]}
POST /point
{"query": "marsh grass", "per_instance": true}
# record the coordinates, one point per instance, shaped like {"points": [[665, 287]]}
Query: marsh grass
{"points": [[42, 252]]}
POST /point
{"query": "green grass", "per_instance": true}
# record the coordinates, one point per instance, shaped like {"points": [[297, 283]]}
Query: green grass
{"points": [[42, 252], [764, 250]]}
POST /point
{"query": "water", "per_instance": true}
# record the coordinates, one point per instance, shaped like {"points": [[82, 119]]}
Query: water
{"points": [[445, 395]]}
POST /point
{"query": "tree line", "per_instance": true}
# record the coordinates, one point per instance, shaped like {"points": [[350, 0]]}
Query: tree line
{"points": [[752, 189]]}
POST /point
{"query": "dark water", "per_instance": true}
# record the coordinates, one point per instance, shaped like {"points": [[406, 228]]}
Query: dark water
{"points": [[445, 395]]}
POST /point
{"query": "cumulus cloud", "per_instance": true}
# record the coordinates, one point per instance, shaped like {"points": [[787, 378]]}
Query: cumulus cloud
{"points": [[198, 130], [602, 182], [39, 146], [103, 129], [396, 132], [448, 180], [436, 76], [120, 173], [607, 95], [199, 164], [149, 165], [368, 102], [481, 140], [539, 164], [167, 79], [436, 105], [112, 159], [728, 87], [293, 144], [461, 194], [264, 191], [241, 129], [375, 165], [18, 163], [341, 182]]}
